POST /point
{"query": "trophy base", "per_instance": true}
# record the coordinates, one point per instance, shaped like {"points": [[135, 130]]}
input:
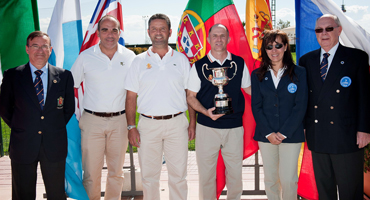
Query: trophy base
{"points": [[224, 110], [223, 104]]}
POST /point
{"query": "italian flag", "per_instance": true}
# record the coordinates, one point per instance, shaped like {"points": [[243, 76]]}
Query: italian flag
{"points": [[199, 16], [18, 19]]}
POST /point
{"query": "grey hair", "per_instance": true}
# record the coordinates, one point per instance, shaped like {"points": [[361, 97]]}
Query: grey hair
{"points": [[334, 17]]}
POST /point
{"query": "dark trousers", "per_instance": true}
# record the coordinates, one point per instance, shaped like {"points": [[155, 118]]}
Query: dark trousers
{"points": [[24, 178], [344, 171]]}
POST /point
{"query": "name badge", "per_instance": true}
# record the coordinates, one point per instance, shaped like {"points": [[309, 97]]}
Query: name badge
{"points": [[345, 81], [292, 88]]}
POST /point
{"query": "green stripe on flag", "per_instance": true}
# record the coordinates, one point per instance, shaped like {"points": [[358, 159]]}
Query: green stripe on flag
{"points": [[205, 8], [18, 19]]}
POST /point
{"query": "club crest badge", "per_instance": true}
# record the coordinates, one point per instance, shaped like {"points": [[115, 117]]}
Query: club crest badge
{"points": [[148, 66], [60, 102], [292, 88], [345, 81], [191, 36]]}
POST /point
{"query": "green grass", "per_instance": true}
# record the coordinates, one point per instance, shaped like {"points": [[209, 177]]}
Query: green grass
{"points": [[294, 57]]}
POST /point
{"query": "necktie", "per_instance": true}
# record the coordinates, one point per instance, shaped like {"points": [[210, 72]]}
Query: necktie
{"points": [[324, 66], [39, 87]]}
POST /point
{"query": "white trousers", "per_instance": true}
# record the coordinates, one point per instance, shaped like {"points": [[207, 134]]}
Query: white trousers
{"points": [[280, 165], [103, 136], [171, 138], [207, 145]]}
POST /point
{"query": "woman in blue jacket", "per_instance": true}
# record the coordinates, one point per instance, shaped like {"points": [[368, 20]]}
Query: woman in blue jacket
{"points": [[279, 102]]}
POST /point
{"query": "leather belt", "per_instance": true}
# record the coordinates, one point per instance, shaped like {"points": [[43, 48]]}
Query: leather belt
{"points": [[162, 117], [105, 114]]}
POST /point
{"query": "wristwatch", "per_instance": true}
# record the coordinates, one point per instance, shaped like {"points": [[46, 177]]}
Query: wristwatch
{"points": [[129, 127]]}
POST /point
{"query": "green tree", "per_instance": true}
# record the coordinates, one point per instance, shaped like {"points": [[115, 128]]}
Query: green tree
{"points": [[282, 24]]}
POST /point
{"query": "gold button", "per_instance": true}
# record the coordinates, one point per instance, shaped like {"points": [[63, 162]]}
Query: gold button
{"points": [[42, 117], [40, 132], [332, 107], [316, 121], [315, 106], [338, 91], [331, 122]]}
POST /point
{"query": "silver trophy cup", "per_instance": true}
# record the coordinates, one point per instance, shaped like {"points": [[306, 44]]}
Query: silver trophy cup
{"points": [[219, 79]]}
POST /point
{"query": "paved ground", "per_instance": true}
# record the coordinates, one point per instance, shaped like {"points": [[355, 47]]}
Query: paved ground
{"points": [[248, 179]]}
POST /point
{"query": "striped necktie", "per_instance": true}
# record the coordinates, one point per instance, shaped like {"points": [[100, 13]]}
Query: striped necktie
{"points": [[39, 87], [324, 66]]}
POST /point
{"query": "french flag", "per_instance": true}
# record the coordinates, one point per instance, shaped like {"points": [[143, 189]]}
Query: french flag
{"points": [[65, 31], [107, 7], [353, 35]]}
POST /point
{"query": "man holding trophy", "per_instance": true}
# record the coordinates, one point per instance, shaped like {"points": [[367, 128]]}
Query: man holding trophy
{"points": [[219, 101]]}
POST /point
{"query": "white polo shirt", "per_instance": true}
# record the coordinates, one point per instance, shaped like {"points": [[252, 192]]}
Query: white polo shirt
{"points": [[159, 83], [194, 82], [103, 78]]}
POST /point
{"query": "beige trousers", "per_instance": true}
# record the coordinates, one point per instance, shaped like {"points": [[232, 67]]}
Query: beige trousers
{"points": [[280, 165], [171, 138], [207, 145], [103, 136]]}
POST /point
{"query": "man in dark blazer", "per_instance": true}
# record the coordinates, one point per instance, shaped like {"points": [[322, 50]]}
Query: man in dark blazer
{"points": [[338, 114], [37, 101]]}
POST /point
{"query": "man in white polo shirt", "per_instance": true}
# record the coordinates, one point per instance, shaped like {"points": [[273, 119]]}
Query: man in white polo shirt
{"points": [[217, 132], [158, 77], [103, 69]]}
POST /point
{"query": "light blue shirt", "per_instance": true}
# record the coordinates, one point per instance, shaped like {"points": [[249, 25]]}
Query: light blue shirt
{"points": [[44, 77]]}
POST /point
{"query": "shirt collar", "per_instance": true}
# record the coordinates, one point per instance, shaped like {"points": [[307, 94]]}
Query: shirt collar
{"points": [[151, 53], [43, 69], [212, 58], [331, 51]]}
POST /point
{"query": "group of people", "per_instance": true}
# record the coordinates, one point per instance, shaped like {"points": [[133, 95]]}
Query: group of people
{"points": [[290, 104]]}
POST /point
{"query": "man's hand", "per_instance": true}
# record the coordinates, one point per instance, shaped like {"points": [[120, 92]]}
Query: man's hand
{"points": [[191, 131], [274, 139], [281, 136], [134, 137], [362, 139], [214, 117]]}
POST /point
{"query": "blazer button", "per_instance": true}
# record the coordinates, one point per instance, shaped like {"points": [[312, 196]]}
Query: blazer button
{"points": [[331, 122], [338, 91], [332, 107], [39, 132], [42, 117], [316, 121], [315, 106], [275, 105], [310, 90]]}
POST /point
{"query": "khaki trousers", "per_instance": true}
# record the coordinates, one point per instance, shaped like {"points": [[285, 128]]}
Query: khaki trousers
{"points": [[103, 136], [207, 145], [280, 165], [171, 138]]}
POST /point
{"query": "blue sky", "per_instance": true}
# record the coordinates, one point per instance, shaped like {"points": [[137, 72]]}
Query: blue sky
{"points": [[133, 12]]}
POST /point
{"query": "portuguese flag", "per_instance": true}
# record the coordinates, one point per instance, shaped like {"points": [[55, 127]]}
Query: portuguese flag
{"points": [[199, 16]]}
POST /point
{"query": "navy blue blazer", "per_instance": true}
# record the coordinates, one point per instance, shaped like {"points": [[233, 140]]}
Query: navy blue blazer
{"points": [[282, 109]]}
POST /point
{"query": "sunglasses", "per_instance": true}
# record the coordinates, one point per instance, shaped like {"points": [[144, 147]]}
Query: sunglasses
{"points": [[327, 29], [277, 46]]}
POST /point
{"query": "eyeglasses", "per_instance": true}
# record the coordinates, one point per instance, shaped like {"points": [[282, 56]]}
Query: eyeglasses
{"points": [[37, 47], [277, 46], [327, 29]]}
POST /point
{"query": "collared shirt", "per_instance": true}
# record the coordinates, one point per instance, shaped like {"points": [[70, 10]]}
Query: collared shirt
{"points": [[194, 82], [330, 58], [104, 78], [44, 77], [276, 79], [159, 83]]}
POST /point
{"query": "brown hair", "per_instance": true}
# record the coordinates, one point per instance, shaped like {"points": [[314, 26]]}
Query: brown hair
{"points": [[269, 36], [160, 16], [109, 16], [35, 34]]}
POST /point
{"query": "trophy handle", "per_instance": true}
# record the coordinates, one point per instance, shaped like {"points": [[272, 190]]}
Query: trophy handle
{"points": [[236, 68], [206, 65]]}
